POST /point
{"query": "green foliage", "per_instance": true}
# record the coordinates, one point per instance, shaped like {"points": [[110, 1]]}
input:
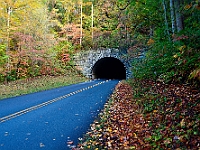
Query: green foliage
{"points": [[87, 41], [170, 61], [106, 42], [3, 60], [158, 61], [63, 54], [167, 61], [3, 56], [11, 76], [176, 59]]}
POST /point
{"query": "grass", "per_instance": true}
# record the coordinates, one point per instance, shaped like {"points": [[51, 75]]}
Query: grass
{"points": [[31, 85]]}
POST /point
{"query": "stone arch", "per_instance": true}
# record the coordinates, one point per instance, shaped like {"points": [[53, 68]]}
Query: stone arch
{"points": [[109, 68]]}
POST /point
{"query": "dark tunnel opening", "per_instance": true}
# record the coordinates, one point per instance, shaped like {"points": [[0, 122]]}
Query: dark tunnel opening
{"points": [[109, 68]]}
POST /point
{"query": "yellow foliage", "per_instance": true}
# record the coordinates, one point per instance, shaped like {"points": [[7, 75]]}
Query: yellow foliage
{"points": [[195, 74], [155, 111], [150, 41], [182, 48], [187, 6], [175, 56], [135, 135], [182, 123], [87, 3], [109, 129]]}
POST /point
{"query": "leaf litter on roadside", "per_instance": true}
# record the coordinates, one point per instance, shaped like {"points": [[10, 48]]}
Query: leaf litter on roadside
{"points": [[147, 115]]}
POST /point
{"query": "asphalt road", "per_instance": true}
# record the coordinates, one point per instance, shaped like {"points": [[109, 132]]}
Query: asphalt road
{"points": [[52, 119]]}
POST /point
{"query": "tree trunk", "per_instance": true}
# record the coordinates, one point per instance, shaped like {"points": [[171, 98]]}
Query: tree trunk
{"points": [[92, 25], [179, 17], [81, 23], [8, 29], [172, 16], [166, 22], [8, 37]]}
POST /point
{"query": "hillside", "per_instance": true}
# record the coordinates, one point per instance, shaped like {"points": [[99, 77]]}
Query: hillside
{"points": [[147, 115]]}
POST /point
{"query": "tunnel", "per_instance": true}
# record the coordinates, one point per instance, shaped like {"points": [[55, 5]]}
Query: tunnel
{"points": [[109, 68]]}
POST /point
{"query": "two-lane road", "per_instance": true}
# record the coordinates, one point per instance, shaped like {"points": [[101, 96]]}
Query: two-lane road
{"points": [[50, 119]]}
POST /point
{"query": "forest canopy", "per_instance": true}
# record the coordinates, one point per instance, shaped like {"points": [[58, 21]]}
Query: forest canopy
{"points": [[40, 37]]}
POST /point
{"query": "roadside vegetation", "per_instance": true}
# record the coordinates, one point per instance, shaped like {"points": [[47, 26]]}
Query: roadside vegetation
{"points": [[147, 115], [31, 85]]}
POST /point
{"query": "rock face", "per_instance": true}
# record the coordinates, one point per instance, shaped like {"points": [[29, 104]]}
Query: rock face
{"points": [[104, 63]]}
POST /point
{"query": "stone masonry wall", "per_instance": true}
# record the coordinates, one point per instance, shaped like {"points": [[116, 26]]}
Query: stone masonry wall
{"points": [[84, 61]]}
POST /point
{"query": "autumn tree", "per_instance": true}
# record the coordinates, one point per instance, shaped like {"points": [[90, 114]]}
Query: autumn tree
{"points": [[21, 21], [173, 50]]}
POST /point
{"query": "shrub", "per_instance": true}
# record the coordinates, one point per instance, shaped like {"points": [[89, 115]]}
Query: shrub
{"points": [[168, 61], [3, 56]]}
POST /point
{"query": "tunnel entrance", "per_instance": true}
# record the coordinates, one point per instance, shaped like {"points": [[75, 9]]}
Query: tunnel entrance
{"points": [[109, 68]]}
